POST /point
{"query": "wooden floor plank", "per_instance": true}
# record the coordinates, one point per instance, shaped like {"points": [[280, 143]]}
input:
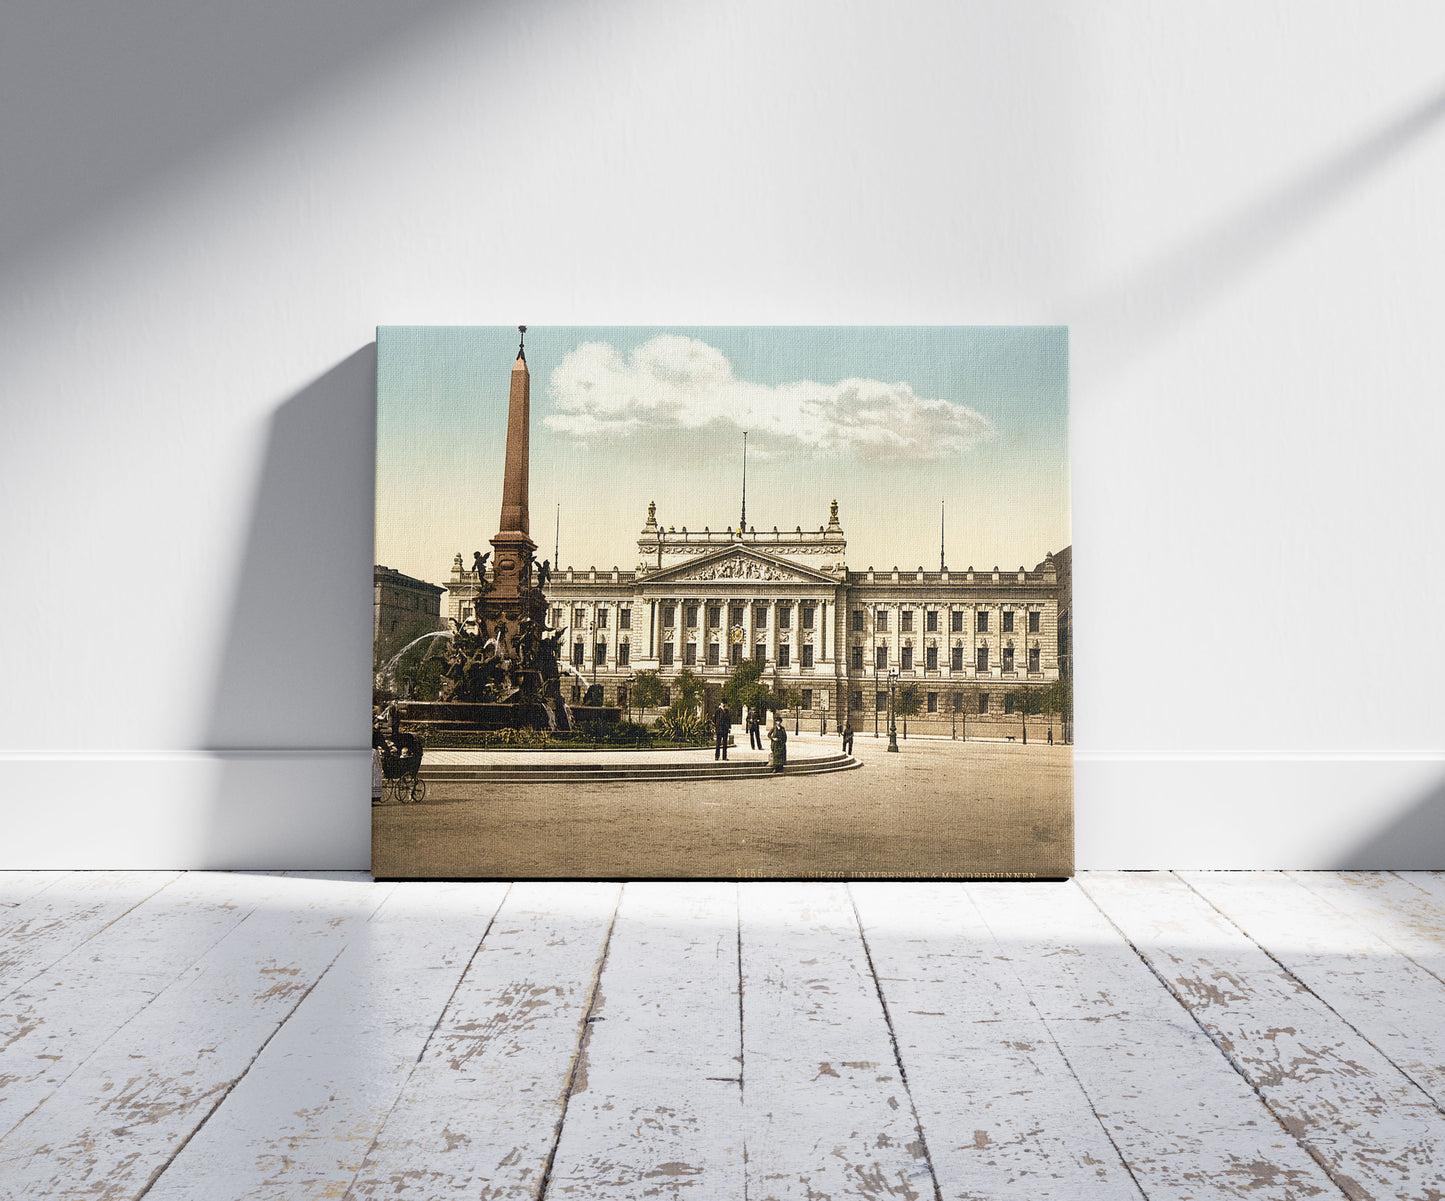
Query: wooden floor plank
{"points": [[1392, 1002], [1186, 1124], [1404, 909], [124, 1114], [826, 1111], [1374, 1130], [1002, 1115], [656, 1109], [480, 1113], [51, 1024], [16, 887], [46, 926], [300, 1123]]}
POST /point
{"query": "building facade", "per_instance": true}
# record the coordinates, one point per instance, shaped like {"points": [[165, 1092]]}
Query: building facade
{"points": [[401, 602], [969, 640]]}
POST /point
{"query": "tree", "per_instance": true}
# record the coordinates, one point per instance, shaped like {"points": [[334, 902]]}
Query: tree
{"points": [[689, 686], [792, 698], [907, 704], [647, 690], [1027, 703], [1059, 698], [745, 688]]}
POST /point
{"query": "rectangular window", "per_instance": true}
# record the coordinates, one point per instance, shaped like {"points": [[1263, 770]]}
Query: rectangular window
{"points": [[689, 654], [807, 654], [760, 617], [760, 653], [735, 615], [667, 698], [1033, 621], [858, 699], [735, 653], [713, 650], [624, 619], [1033, 659], [983, 621], [933, 702], [907, 658], [880, 702], [579, 654], [858, 619], [930, 621], [669, 616], [957, 661], [599, 654], [602, 618], [930, 658], [955, 624], [784, 655], [556, 616], [982, 661], [576, 694], [689, 616], [621, 690], [1008, 621], [579, 618], [1008, 703], [881, 658], [623, 654], [983, 702], [1008, 658], [785, 616], [667, 654], [808, 612], [857, 658], [714, 616], [880, 620], [905, 621], [807, 698]]}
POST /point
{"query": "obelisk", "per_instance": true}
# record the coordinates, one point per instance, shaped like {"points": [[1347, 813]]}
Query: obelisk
{"points": [[512, 548]]}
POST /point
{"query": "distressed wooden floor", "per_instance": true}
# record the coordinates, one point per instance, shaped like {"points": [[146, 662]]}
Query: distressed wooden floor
{"points": [[1190, 1035]]}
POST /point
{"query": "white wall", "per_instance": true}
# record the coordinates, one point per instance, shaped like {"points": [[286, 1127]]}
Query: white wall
{"points": [[205, 208]]}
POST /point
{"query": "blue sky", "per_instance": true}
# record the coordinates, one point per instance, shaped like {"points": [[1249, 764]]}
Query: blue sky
{"points": [[889, 421]]}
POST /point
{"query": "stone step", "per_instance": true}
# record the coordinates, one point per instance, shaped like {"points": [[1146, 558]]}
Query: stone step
{"points": [[593, 773]]}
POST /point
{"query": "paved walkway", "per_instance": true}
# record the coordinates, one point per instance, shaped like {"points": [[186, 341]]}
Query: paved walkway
{"points": [[800, 747]]}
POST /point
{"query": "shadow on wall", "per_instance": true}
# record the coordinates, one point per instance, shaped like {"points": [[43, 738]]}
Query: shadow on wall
{"points": [[1413, 842], [117, 96], [290, 714], [1149, 304]]}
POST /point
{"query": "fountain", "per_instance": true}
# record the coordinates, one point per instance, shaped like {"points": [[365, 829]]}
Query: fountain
{"points": [[504, 670]]}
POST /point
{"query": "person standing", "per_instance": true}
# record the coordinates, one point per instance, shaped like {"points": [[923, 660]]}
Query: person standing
{"points": [[779, 737], [722, 726], [848, 737], [755, 731]]}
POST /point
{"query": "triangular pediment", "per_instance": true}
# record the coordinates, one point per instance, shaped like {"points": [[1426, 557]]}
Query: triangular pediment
{"points": [[740, 563]]}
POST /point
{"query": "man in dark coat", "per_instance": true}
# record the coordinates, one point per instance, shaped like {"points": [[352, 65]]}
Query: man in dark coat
{"points": [[722, 726], [848, 737]]}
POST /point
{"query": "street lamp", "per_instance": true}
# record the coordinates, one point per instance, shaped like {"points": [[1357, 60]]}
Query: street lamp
{"points": [[875, 694], [631, 680], [892, 712], [592, 636]]}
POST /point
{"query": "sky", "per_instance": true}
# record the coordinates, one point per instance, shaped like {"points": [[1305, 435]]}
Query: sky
{"points": [[892, 422]]}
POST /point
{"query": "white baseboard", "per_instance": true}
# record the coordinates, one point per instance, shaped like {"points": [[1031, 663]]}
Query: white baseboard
{"points": [[186, 809], [311, 809], [1253, 810]]}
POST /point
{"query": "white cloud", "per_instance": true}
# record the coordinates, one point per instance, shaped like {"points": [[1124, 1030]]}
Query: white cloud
{"points": [[678, 383]]}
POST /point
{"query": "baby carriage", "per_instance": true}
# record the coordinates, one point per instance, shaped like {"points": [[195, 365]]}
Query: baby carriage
{"points": [[400, 765]]}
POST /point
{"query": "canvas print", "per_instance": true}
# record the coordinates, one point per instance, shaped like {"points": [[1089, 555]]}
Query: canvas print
{"points": [[722, 602]]}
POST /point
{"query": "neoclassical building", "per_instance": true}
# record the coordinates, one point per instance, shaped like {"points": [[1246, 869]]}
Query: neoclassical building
{"points": [[705, 599]]}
